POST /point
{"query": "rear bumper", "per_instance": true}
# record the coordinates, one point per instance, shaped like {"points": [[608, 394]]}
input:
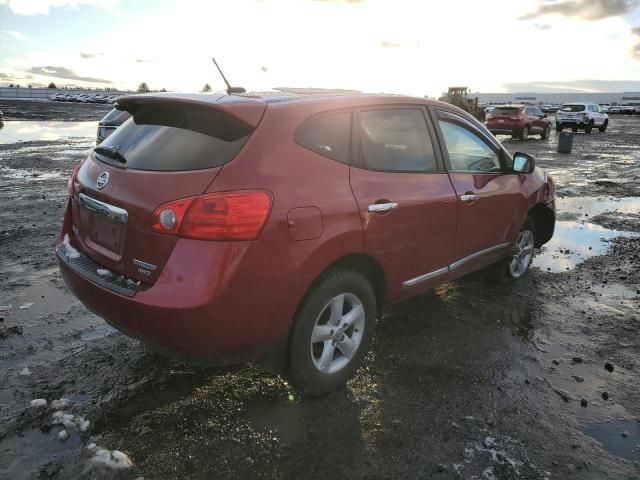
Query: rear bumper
{"points": [[504, 130], [204, 308], [571, 123]]}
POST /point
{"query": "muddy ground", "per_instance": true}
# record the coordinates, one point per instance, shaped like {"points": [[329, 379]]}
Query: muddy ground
{"points": [[537, 379]]}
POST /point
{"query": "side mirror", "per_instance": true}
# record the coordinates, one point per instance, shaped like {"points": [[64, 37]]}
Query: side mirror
{"points": [[523, 163]]}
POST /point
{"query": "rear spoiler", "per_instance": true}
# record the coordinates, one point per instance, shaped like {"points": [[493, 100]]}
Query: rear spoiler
{"points": [[247, 110]]}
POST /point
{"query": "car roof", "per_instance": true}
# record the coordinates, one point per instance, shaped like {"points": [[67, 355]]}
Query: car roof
{"points": [[579, 103]]}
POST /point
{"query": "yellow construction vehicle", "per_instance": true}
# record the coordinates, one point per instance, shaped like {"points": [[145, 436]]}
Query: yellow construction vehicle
{"points": [[459, 96]]}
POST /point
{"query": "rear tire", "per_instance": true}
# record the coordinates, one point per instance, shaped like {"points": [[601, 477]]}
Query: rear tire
{"points": [[546, 132], [604, 126], [331, 332], [589, 127], [524, 133], [517, 264]]}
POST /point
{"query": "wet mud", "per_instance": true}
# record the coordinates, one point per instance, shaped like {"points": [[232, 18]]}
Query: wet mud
{"points": [[532, 380]]}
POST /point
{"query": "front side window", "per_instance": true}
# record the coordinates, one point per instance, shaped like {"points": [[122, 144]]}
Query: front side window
{"points": [[396, 140], [327, 135], [467, 151]]}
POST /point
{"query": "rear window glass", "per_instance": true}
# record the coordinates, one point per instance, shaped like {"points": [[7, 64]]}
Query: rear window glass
{"points": [[115, 117], [176, 138], [572, 108], [506, 110], [327, 135]]}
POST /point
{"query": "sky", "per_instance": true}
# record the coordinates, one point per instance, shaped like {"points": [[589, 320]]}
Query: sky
{"points": [[417, 47]]}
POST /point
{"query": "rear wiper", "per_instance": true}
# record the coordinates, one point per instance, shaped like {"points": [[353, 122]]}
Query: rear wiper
{"points": [[111, 152]]}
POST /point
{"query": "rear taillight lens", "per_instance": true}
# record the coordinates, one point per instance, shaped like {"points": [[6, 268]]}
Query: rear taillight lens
{"points": [[73, 184], [216, 216]]}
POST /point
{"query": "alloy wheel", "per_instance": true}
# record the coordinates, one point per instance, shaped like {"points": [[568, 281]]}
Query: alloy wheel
{"points": [[523, 254], [337, 333]]}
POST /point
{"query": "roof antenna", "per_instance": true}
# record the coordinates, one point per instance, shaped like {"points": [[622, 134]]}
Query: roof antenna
{"points": [[230, 90]]}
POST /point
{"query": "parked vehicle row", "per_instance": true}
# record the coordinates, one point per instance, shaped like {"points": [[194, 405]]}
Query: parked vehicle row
{"points": [[203, 225], [85, 98]]}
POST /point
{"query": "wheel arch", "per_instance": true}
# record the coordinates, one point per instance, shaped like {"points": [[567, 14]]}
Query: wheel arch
{"points": [[544, 221]]}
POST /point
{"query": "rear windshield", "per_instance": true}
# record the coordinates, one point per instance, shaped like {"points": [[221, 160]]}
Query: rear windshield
{"points": [[506, 110], [572, 108], [115, 117], [175, 138]]}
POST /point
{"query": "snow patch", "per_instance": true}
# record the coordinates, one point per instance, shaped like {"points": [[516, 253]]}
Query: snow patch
{"points": [[112, 458], [60, 403], [63, 435], [26, 305], [39, 402], [25, 371], [5, 308], [69, 251], [103, 272], [488, 474], [70, 421]]}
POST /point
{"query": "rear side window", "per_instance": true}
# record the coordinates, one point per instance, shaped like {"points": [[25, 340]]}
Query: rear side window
{"points": [[396, 140], [176, 137], [572, 108], [328, 135]]}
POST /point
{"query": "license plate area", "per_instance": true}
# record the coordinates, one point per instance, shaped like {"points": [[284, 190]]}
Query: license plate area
{"points": [[500, 120], [103, 227]]}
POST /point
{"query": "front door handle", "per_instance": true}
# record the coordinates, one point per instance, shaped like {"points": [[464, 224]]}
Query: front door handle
{"points": [[468, 198], [382, 207]]}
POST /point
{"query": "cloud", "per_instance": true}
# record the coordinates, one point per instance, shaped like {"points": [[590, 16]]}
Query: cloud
{"points": [[583, 9], [635, 50], [143, 60], [64, 73], [587, 86], [18, 35], [388, 44], [35, 7], [4, 76], [542, 26], [90, 55], [264, 68]]}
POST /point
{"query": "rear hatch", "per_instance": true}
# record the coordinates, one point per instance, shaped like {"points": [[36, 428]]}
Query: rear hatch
{"points": [[571, 112], [172, 147], [506, 115]]}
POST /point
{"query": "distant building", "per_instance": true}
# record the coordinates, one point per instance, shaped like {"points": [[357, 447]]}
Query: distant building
{"points": [[626, 98]]}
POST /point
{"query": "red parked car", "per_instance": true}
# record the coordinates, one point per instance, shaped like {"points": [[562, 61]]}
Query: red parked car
{"points": [[519, 121], [233, 229]]}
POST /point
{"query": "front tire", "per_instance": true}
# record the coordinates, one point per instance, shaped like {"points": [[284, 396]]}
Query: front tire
{"points": [[331, 332], [546, 132], [518, 263], [524, 133], [603, 128]]}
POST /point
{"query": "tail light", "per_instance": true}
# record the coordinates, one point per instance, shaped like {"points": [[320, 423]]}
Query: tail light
{"points": [[513, 118], [216, 216], [73, 184]]}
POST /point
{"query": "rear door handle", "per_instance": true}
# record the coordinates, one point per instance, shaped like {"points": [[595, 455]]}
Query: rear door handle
{"points": [[468, 198], [382, 207]]}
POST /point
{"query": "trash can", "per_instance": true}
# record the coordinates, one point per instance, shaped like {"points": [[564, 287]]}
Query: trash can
{"points": [[565, 142]]}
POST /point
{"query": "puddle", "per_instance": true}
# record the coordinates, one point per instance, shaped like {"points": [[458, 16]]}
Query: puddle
{"points": [[32, 175], [573, 243], [611, 435], [28, 131], [42, 297], [593, 206], [23, 456]]}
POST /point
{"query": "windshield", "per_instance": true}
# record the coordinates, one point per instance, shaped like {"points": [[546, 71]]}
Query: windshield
{"points": [[572, 108]]}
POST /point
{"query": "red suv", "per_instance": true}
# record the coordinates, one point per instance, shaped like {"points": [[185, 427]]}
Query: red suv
{"points": [[519, 121], [274, 230]]}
